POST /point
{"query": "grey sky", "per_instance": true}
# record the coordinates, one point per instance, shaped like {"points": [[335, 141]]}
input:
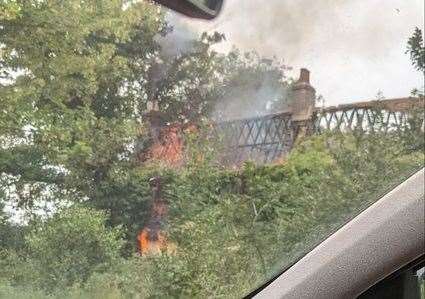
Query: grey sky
{"points": [[354, 48]]}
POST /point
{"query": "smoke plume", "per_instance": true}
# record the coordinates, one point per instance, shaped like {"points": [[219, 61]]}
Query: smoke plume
{"points": [[353, 48]]}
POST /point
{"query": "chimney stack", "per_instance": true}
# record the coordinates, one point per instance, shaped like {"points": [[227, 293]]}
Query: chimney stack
{"points": [[304, 76], [303, 97]]}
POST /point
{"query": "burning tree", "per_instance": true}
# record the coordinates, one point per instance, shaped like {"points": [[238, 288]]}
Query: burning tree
{"points": [[77, 80]]}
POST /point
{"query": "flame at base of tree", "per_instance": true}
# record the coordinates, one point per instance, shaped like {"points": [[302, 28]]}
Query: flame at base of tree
{"points": [[152, 239], [151, 242], [154, 242], [167, 147]]}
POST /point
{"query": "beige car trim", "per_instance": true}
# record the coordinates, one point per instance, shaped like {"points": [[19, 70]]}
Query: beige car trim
{"points": [[379, 241]]}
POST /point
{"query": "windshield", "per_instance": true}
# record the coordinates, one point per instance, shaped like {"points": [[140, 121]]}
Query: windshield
{"points": [[144, 154]]}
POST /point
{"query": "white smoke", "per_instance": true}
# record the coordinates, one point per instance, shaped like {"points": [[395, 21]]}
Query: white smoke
{"points": [[353, 48]]}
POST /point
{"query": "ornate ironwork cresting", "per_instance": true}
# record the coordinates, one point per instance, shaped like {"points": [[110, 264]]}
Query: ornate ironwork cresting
{"points": [[261, 139], [374, 116]]}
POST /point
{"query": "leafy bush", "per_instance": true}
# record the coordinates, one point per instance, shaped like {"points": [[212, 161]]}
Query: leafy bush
{"points": [[64, 250], [235, 229]]}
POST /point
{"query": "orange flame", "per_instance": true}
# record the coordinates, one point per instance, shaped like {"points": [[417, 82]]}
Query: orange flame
{"points": [[154, 242], [148, 246], [151, 238], [169, 147]]}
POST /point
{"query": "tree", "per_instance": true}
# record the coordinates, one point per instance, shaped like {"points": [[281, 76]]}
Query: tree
{"points": [[67, 109], [70, 246], [416, 49], [77, 77]]}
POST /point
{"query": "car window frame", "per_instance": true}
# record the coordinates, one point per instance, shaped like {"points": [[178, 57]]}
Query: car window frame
{"points": [[412, 191]]}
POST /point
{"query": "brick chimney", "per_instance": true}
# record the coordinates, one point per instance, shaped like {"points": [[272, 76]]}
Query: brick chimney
{"points": [[303, 97]]}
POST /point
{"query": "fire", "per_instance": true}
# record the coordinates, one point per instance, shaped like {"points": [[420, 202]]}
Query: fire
{"points": [[169, 146], [151, 242], [152, 239]]}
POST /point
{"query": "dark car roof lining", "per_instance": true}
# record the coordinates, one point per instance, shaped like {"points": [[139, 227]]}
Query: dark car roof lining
{"points": [[416, 265]]}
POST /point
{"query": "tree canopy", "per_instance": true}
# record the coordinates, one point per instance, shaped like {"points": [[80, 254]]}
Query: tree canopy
{"points": [[77, 77]]}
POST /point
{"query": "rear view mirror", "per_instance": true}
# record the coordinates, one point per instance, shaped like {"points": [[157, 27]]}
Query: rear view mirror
{"points": [[201, 9]]}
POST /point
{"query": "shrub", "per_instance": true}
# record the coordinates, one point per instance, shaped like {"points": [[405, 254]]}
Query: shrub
{"points": [[66, 249]]}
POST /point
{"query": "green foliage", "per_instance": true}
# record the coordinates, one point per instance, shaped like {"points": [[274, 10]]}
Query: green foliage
{"points": [[9, 292], [68, 106], [416, 49], [412, 135], [233, 229], [275, 213], [64, 250], [11, 235]]}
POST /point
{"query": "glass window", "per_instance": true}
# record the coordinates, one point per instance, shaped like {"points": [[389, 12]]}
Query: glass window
{"points": [[146, 154]]}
